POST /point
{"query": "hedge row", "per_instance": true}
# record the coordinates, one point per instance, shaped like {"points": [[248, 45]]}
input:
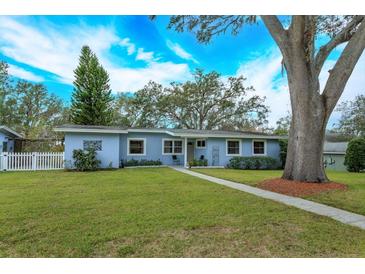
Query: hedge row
{"points": [[257, 162], [142, 162], [196, 162]]}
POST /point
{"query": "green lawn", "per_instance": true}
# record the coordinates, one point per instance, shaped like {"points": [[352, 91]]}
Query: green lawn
{"points": [[353, 199], [156, 212]]}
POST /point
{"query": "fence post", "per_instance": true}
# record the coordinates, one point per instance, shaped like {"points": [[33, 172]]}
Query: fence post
{"points": [[34, 160], [5, 161]]}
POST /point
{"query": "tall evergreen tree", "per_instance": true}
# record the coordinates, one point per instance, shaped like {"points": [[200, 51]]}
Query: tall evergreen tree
{"points": [[91, 100]]}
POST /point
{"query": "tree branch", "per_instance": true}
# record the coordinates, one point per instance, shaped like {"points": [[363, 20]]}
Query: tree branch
{"points": [[343, 68], [343, 36], [276, 29]]}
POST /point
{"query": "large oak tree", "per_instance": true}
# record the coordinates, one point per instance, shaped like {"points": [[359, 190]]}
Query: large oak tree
{"points": [[303, 61]]}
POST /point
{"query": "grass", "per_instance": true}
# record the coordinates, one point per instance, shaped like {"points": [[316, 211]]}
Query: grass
{"points": [[156, 212], [353, 199]]}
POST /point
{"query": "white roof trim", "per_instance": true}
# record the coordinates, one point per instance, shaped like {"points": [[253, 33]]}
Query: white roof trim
{"points": [[90, 130], [5, 128], [168, 132], [243, 136]]}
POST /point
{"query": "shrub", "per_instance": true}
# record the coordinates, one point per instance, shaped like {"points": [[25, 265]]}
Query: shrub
{"points": [[200, 162], [256, 162], [283, 149], [85, 160], [143, 162], [355, 155]]}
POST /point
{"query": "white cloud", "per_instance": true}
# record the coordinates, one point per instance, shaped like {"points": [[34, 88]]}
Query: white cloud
{"points": [[262, 73], [24, 74], [133, 79], [131, 48], [56, 50], [179, 51], [144, 55]]}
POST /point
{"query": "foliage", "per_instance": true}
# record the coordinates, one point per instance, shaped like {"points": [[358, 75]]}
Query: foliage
{"points": [[142, 162], [91, 102], [352, 121], [28, 108], [206, 102], [255, 162], [355, 155], [198, 162], [283, 125], [283, 143], [85, 160], [140, 109]]}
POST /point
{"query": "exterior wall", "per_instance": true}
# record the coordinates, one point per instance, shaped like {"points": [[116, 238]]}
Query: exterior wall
{"points": [[338, 160], [153, 148], [110, 147], [4, 138], [114, 148], [272, 149]]}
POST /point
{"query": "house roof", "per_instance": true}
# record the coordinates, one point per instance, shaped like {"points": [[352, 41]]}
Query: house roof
{"points": [[193, 133], [335, 147], [9, 132]]}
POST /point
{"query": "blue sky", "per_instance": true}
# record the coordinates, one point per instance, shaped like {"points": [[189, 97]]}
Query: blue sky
{"points": [[135, 50]]}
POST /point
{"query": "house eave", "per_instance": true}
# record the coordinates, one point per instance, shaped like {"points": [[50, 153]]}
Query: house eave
{"points": [[90, 130], [10, 132]]}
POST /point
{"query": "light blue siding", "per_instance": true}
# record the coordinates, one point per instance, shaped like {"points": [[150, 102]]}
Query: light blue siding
{"points": [[153, 147], [115, 148], [4, 138], [109, 155]]}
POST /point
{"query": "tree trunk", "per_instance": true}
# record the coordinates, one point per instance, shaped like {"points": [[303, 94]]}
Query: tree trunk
{"points": [[304, 160]]}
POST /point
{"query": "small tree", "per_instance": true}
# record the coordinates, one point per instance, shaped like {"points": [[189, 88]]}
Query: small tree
{"points": [[91, 102], [355, 155]]}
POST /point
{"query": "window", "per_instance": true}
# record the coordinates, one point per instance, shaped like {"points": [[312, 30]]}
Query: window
{"points": [[167, 147], [5, 146], [200, 143], [136, 146], [233, 147], [95, 144], [172, 147], [258, 147]]}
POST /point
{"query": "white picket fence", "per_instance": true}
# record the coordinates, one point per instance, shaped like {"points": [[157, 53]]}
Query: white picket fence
{"points": [[14, 161]]}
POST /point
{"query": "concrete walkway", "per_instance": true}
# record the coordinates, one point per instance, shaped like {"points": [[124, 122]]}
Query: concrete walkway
{"points": [[320, 209]]}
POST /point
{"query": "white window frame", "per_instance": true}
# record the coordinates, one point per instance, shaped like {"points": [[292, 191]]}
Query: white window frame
{"points": [[199, 147], [239, 147], [173, 146], [253, 150], [144, 146]]}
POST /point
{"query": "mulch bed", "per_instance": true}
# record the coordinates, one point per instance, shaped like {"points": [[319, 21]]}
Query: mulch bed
{"points": [[298, 188]]}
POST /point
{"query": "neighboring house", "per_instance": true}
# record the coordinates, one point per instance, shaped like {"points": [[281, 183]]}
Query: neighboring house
{"points": [[171, 146], [7, 139], [334, 155]]}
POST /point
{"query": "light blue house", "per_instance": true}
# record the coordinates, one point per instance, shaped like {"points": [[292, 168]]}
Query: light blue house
{"points": [[171, 146], [7, 139]]}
